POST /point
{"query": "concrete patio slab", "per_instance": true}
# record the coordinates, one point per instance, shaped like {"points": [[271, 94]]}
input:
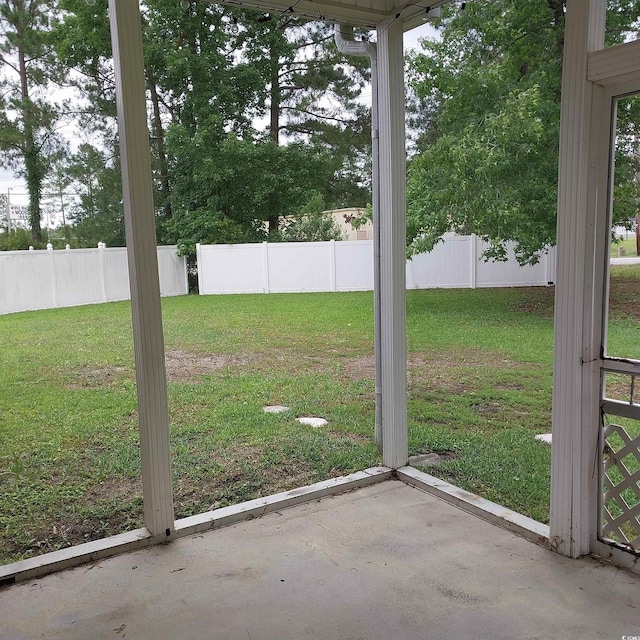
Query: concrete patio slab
{"points": [[385, 561]]}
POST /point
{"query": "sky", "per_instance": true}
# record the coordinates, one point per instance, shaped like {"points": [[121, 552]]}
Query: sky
{"points": [[17, 187]]}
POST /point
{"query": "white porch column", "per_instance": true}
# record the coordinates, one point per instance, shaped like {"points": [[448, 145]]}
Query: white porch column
{"points": [[126, 38], [393, 322], [574, 449]]}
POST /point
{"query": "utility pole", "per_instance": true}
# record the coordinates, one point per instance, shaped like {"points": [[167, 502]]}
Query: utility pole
{"points": [[64, 222], [8, 209]]}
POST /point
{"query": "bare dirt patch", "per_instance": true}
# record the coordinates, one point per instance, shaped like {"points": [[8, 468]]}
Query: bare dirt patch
{"points": [[88, 377], [359, 367], [181, 366], [119, 488], [487, 409], [241, 476], [624, 299], [186, 366], [434, 371], [438, 370], [432, 458], [538, 301]]}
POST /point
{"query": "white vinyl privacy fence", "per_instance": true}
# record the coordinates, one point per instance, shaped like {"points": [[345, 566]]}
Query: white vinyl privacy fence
{"points": [[46, 279], [348, 266]]}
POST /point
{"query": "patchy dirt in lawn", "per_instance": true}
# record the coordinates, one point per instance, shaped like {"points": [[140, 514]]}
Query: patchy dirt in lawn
{"points": [[89, 377], [538, 301], [487, 409], [427, 458], [242, 476], [619, 387], [350, 437], [114, 489], [438, 370], [624, 299], [181, 366], [185, 366], [358, 368]]}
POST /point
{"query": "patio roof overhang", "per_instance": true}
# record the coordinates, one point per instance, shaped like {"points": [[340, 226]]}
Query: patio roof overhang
{"points": [[357, 13]]}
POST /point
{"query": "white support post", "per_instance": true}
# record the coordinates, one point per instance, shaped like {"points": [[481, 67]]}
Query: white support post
{"points": [[573, 512], [392, 243], [545, 263], [103, 274], [265, 265], [52, 272], [153, 412], [200, 267], [332, 265], [186, 275], [474, 261]]}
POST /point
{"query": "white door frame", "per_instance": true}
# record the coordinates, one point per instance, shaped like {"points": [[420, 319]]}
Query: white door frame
{"points": [[604, 132], [589, 71]]}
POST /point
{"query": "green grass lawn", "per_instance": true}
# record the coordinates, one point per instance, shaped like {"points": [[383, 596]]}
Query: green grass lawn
{"points": [[479, 390], [624, 248]]}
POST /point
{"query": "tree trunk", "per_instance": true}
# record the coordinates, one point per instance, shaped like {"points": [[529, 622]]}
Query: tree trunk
{"points": [[34, 172], [558, 8], [158, 134], [274, 118]]}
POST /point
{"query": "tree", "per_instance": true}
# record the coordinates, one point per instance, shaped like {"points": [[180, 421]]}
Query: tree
{"points": [[626, 195], [223, 195], [487, 156], [209, 72], [98, 214], [27, 117], [312, 97], [197, 85], [311, 224], [83, 42]]}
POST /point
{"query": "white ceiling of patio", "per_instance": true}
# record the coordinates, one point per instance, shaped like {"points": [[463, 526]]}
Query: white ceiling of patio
{"points": [[362, 13]]}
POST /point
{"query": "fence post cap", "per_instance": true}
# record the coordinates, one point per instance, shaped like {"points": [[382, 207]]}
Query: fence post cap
{"points": [[49, 246]]}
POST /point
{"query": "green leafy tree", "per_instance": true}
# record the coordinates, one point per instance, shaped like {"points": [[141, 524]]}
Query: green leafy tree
{"points": [[97, 213], [238, 185], [198, 87], [311, 224], [15, 240], [313, 93], [27, 116], [210, 72], [83, 42], [626, 200], [489, 95]]}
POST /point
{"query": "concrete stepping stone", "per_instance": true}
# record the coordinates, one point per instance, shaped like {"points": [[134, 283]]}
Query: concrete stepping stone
{"points": [[312, 422], [275, 408]]}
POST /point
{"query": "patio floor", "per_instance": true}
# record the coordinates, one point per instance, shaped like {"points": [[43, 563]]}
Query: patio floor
{"points": [[385, 561]]}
